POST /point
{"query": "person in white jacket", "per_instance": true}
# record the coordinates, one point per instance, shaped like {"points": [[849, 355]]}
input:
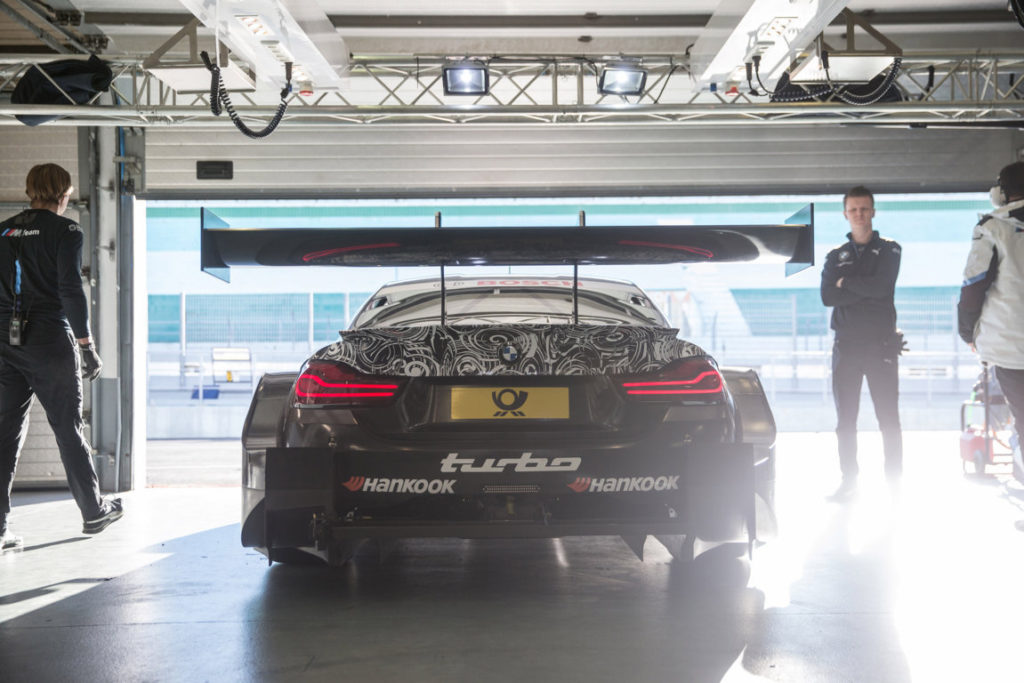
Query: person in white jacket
{"points": [[990, 313]]}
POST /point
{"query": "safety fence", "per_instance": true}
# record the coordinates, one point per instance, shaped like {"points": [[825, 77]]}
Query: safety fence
{"points": [[797, 314], [224, 343], [300, 319]]}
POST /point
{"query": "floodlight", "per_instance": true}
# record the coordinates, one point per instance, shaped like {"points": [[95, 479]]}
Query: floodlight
{"points": [[465, 78], [622, 79]]}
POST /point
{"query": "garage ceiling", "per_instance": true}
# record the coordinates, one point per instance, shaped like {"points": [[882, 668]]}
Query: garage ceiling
{"points": [[960, 63]]}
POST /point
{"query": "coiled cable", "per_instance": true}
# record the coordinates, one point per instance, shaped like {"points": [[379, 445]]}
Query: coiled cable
{"points": [[220, 101], [872, 97]]}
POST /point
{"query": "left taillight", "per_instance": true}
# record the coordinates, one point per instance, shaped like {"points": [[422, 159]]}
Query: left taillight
{"points": [[336, 384], [688, 379]]}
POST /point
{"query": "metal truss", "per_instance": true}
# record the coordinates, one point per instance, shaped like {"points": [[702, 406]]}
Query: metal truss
{"points": [[936, 90]]}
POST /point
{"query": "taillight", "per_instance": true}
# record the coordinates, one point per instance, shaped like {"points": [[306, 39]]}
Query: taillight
{"points": [[689, 379], [327, 383]]}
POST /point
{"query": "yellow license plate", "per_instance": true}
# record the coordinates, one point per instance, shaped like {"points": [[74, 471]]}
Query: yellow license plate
{"points": [[510, 403]]}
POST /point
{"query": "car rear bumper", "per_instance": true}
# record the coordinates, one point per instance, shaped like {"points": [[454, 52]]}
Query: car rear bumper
{"points": [[316, 497]]}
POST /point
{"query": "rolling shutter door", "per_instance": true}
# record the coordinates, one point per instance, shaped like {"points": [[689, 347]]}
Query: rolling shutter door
{"points": [[534, 159]]}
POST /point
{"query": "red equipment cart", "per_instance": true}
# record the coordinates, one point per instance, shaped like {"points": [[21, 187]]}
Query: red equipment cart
{"points": [[986, 426]]}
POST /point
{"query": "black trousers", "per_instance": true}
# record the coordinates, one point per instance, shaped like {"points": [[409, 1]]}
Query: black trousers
{"points": [[1012, 384], [851, 363], [51, 371]]}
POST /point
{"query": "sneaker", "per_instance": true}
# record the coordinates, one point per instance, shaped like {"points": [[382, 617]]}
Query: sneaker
{"points": [[845, 492], [110, 512], [8, 541]]}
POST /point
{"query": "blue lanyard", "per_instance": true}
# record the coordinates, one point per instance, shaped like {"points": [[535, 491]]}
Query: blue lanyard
{"points": [[17, 277]]}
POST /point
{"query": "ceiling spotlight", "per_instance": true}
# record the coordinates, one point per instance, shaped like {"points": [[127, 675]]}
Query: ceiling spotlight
{"points": [[465, 78], [622, 79]]}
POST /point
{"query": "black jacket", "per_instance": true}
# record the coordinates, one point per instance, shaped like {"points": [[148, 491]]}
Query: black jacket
{"points": [[50, 250], [863, 307]]}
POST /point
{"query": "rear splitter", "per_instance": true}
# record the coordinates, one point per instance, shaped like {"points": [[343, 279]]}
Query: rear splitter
{"points": [[318, 496]]}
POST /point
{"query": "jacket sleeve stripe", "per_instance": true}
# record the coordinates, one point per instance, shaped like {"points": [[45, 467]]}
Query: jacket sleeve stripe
{"points": [[976, 278], [972, 297]]}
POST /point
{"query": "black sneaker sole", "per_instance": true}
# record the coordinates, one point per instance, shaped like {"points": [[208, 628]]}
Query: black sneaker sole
{"points": [[94, 526]]}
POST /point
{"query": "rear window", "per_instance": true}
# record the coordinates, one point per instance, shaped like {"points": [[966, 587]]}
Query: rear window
{"points": [[507, 305]]}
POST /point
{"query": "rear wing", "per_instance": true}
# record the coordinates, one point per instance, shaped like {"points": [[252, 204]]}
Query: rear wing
{"points": [[223, 246]]}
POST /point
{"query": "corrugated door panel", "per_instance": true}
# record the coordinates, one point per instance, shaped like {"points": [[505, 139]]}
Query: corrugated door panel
{"points": [[23, 147], [40, 463], [531, 159]]}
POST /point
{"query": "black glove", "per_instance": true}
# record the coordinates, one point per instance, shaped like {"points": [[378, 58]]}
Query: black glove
{"points": [[91, 363]]}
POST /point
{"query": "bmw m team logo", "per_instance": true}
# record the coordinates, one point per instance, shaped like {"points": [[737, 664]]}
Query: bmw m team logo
{"points": [[509, 401]]}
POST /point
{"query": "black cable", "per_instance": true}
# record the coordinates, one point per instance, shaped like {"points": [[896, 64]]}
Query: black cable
{"points": [[872, 97], [753, 90], [219, 96], [931, 83], [664, 84], [779, 97], [757, 72], [1018, 11]]}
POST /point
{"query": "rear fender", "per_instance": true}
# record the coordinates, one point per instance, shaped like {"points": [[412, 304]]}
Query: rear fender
{"points": [[262, 430], [755, 425], [755, 422]]}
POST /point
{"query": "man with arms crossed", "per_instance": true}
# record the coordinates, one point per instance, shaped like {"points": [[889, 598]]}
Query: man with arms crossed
{"points": [[859, 282]]}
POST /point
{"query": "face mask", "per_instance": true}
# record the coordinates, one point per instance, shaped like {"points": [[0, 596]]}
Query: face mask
{"points": [[997, 196]]}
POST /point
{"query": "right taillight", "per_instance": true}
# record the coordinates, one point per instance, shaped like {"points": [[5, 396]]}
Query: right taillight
{"points": [[688, 379], [336, 384]]}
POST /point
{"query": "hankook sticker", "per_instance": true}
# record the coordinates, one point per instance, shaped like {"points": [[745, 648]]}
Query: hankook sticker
{"points": [[625, 484], [388, 485]]}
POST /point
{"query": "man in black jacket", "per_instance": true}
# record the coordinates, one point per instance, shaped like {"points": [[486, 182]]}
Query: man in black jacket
{"points": [[859, 280], [45, 344]]}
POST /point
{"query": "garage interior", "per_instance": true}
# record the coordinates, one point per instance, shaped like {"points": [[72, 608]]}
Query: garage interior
{"points": [[922, 103]]}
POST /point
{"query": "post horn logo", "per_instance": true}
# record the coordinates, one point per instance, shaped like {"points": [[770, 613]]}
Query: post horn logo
{"points": [[509, 401]]}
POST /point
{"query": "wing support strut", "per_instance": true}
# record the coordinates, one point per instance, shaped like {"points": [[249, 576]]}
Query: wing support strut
{"points": [[444, 292]]}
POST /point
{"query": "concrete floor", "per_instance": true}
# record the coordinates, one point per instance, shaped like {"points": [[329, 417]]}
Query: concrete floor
{"points": [[923, 584]]}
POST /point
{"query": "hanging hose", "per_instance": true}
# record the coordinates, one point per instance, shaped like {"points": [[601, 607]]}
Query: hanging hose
{"points": [[219, 98]]}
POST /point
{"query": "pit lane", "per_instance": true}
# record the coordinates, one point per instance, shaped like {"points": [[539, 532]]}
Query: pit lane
{"points": [[900, 584]]}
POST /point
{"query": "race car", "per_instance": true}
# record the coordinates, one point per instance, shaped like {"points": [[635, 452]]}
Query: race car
{"points": [[508, 407]]}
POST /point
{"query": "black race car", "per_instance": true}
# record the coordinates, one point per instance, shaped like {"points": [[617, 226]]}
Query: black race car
{"points": [[511, 406]]}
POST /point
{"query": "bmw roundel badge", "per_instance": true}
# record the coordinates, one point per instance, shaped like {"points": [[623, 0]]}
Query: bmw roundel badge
{"points": [[509, 354]]}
